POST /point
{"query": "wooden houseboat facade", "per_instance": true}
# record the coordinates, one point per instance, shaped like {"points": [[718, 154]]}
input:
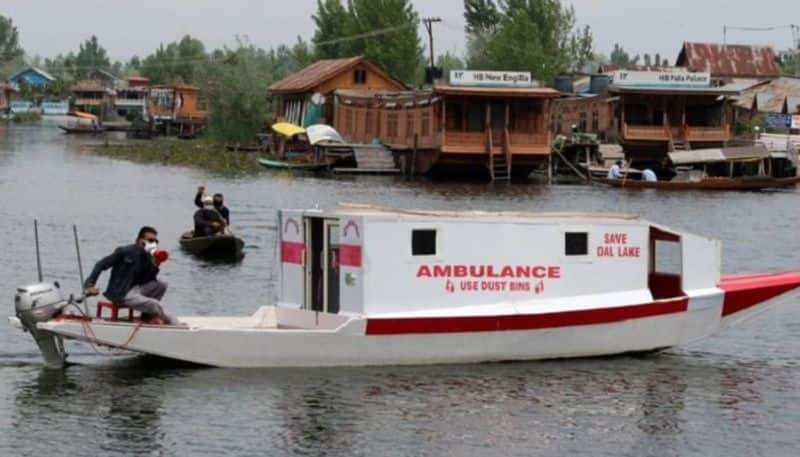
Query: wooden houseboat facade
{"points": [[502, 129], [178, 107], [292, 96], [91, 95], [662, 112]]}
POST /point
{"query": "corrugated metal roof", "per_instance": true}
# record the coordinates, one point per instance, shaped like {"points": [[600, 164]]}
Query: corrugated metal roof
{"points": [[733, 60], [770, 96], [321, 71]]}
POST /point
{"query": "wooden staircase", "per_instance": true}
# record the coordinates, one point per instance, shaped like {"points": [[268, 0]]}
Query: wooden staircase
{"points": [[681, 145], [499, 164]]}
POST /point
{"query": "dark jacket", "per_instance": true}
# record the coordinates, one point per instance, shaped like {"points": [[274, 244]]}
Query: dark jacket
{"points": [[223, 210], [130, 266], [202, 221]]}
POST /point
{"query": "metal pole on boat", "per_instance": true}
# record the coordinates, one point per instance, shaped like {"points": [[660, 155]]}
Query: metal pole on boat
{"points": [[80, 266], [38, 256]]}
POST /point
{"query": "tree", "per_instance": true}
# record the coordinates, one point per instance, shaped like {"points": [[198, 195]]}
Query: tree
{"points": [[11, 53], [529, 35], [302, 53], [396, 45], [177, 62], [332, 24], [234, 84], [790, 65], [89, 57], [449, 62], [622, 59], [481, 16]]}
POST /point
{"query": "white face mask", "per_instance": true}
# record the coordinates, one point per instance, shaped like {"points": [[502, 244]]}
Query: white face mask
{"points": [[150, 247]]}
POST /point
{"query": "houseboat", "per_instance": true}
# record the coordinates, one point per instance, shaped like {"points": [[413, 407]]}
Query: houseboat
{"points": [[91, 95], [364, 285], [305, 98], [178, 108], [132, 97], [670, 110], [493, 122]]}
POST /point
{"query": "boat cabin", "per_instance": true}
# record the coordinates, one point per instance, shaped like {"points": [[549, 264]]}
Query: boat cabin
{"points": [[735, 162], [132, 97], [665, 111], [373, 261]]}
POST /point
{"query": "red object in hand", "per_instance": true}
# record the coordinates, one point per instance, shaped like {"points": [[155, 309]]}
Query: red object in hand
{"points": [[160, 256]]}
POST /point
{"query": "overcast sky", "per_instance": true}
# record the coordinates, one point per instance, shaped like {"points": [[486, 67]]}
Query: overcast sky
{"points": [[126, 28]]}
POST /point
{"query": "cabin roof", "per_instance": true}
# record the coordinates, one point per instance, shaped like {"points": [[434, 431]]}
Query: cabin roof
{"points": [[89, 85], [38, 71], [520, 92], [734, 60], [770, 96], [367, 209], [323, 70], [719, 155]]}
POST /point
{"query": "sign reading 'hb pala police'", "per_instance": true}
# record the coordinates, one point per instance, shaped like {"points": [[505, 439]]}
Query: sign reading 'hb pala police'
{"points": [[482, 78]]}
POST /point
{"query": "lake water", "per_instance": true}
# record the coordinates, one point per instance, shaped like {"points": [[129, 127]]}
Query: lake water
{"points": [[735, 394]]}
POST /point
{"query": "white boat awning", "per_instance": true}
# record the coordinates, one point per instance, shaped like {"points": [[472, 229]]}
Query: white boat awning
{"points": [[318, 133], [743, 153]]}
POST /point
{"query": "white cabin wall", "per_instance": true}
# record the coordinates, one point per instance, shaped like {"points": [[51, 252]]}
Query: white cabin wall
{"points": [[701, 262], [291, 285], [391, 273], [351, 277]]}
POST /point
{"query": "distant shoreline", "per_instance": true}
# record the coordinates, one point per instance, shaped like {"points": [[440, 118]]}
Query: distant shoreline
{"points": [[199, 153]]}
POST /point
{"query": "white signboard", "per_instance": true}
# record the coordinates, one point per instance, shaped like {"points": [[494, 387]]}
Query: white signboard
{"points": [[796, 121], [677, 79], [491, 78]]}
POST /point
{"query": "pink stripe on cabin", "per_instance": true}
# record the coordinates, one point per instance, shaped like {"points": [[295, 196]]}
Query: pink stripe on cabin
{"points": [[350, 255], [292, 252]]}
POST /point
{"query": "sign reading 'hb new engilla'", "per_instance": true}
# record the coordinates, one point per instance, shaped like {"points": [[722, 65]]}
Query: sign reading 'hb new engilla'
{"points": [[483, 78]]}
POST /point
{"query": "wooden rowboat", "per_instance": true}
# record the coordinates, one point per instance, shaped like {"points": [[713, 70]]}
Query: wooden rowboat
{"points": [[289, 165], [81, 130], [224, 246], [754, 183]]}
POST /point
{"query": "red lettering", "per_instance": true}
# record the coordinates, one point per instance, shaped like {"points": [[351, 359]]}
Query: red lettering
{"points": [[615, 238], [424, 272], [442, 271], [539, 272], [477, 271], [554, 272], [507, 272], [490, 273], [523, 271], [460, 271]]}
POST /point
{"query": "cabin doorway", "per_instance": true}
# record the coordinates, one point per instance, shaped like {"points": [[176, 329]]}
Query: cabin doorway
{"points": [[666, 265], [322, 260]]}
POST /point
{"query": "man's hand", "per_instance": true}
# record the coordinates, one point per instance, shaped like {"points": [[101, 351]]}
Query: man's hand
{"points": [[201, 189], [91, 291]]}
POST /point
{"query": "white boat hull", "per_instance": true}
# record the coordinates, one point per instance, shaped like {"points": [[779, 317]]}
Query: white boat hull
{"points": [[257, 341]]}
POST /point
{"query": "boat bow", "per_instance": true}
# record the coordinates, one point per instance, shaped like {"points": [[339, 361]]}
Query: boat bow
{"points": [[745, 295]]}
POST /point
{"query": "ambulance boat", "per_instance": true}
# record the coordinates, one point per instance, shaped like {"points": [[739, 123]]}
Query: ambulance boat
{"points": [[364, 285]]}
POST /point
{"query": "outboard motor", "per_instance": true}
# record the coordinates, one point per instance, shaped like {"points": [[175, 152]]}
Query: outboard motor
{"points": [[39, 303]]}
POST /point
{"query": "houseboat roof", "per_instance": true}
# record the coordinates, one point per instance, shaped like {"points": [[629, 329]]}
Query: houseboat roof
{"points": [[520, 92], [36, 70], [667, 90], [89, 85], [731, 60], [346, 208], [743, 153], [323, 70]]}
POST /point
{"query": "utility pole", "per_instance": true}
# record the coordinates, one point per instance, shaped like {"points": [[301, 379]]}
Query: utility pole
{"points": [[428, 22]]}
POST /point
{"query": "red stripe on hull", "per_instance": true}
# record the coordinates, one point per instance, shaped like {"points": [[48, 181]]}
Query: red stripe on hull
{"points": [[468, 324], [292, 252], [746, 291]]}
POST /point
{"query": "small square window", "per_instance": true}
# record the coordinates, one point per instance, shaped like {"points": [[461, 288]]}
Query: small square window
{"points": [[423, 242], [360, 76], [576, 243]]}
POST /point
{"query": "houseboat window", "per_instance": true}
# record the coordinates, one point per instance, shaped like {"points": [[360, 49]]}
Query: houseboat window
{"points": [[455, 116], [410, 131], [423, 242], [476, 117], [576, 243], [360, 76], [426, 123], [582, 123], [595, 121]]}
